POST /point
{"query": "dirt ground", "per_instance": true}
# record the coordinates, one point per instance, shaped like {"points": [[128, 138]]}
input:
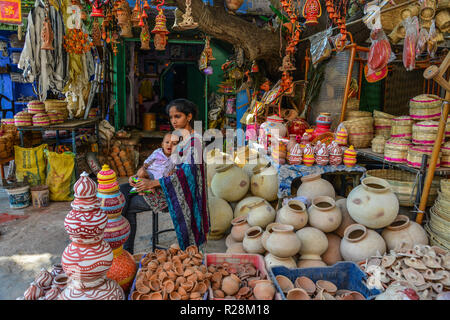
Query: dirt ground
{"points": [[38, 241]]}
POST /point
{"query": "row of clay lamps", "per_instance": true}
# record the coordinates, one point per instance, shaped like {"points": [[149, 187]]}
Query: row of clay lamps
{"points": [[304, 288], [172, 274], [240, 282]]}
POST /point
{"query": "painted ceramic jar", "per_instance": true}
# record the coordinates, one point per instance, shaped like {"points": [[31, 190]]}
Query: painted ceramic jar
{"points": [[404, 234], [298, 127], [259, 213], [314, 186], [264, 182], [293, 213], [230, 183], [252, 240], [360, 243], [373, 203], [342, 136], [307, 137], [323, 214], [292, 142], [350, 157], [322, 155], [333, 253], [101, 289], [308, 155], [336, 153], [123, 268], [273, 127], [220, 218], [283, 242], [239, 227], [273, 261], [314, 243], [295, 156]]}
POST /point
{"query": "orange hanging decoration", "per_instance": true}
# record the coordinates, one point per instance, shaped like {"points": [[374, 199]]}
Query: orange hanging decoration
{"points": [[312, 11], [160, 29]]}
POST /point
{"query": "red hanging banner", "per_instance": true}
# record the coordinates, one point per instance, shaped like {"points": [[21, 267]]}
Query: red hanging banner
{"points": [[10, 12]]}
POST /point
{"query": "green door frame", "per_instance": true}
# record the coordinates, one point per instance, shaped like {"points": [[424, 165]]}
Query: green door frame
{"points": [[120, 80]]}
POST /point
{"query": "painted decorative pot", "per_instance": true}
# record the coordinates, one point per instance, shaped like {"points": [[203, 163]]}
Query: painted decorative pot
{"points": [[233, 5], [123, 268], [314, 243], [372, 203], [314, 186], [360, 243], [273, 261], [404, 234], [273, 127], [252, 240], [283, 242], [221, 215], [298, 127], [264, 182], [323, 214], [230, 183], [85, 226], [111, 204], [293, 213], [240, 226], [100, 289], [117, 231], [333, 253], [259, 213], [322, 156]]}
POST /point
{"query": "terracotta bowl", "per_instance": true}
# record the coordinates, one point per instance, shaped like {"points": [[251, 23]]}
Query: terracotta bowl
{"points": [[285, 283], [327, 286], [306, 284], [297, 294]]}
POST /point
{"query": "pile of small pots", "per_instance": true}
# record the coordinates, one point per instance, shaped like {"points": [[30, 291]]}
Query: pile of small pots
{"points": [[304, 288], [47, 285], [241, 282], [172, 274]]}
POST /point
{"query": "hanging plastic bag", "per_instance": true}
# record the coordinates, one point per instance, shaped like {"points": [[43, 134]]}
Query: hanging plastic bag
{"points": [[60, 175], [432, 42], [411, 25], [380, 51], [421, 41], [30, 163], [320, 47]]}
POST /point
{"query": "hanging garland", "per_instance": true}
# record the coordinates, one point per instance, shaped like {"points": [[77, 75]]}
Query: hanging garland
{"points": [[337, 12], [160, 30]]}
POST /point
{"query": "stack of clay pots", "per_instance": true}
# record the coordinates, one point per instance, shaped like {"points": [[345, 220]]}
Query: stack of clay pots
{"points": [[46, 285], [423, 268], [241, 282], [304, 288], [172, 274]]}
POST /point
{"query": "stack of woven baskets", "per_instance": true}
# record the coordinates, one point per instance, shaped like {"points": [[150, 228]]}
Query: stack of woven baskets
{"points": [[382, 123], [59, 106], [439, 223], [23, 119], [359, 125], [8, 137]]}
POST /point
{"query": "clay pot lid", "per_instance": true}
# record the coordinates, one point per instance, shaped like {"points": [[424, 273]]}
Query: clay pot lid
{"points": [[297, 294], [327, 286], [306, 284], [349, 234], [254, 232], [400, 222], [325, 199], [285, 283]]}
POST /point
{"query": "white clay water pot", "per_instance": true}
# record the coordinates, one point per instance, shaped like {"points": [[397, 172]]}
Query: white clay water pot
{"points": [[360, 243], [274, 261], [324, 215], [346, 219], [252, 240], [264, 182], [314, 186], [333, 253], [283, 242], [220, 216], [248, 159], [314, 243], [258, 212], [372, 203], [293, 213], [404, 234], [242, 208], [267, 233], [230, 183], [214, 159]]}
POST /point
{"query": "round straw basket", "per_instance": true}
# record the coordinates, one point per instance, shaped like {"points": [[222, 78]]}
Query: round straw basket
{"points": [[435, 240], [355, 114], [443, 19], [445, 187], [54, 117], [352, 104], [57, 105], [425, 107], [396, 150], [384, 115], [447, 128], [382, 127], [424, 132], [360, 131], [402, 127], [445, 158], [404, 184], [23, 119], [439, 225], [415, 153], [35, 107], [378, 144], [7, 122], [41, 120]]}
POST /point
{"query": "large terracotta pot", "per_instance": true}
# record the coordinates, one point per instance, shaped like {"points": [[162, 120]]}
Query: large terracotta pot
{"points": [[346, 219], [298, 127], [314, 186], [404, 234], [324, 215], [252, 240], [283, 242], [258, 212], [333, 253], [372, 203], [314, 243], [264, 182], [293, 213], [230, 183], [360, 243], [220, 214], [240, 226], [273, 261]]}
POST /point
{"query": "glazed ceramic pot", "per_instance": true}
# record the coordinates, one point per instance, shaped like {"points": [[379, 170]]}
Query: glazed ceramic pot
{"points": [[273, 261], [298, 127], [230, 183], [404, 234], [314, 186], [259, 212], [264, 290], [314, 243], [373, 203], [346, 219], [283, 242], [220, 216], [323, 214], [267, 233], [264, 182], [252, 240], [292, 142], [293, 213], [240, 226], [360, 243], [273, 127], [333, 253]]}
